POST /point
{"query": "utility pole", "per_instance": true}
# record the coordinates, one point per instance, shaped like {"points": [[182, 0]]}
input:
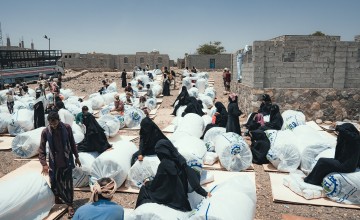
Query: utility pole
{"points": [[1, 38]]}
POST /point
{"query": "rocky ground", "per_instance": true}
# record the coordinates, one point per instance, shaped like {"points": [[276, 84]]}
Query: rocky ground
{"points": [[265, 208]]}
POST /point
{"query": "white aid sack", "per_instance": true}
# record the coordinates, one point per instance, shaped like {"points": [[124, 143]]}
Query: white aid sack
{"points": [[206, 100], [21, 121], [310, 144], [20, 105], [292, 119], [207, 120], [283, 153], [210, 158], [150, 103], [328, 153], [121, 120], [133, 117], [295, 182], [343, 187], [97, 102], [192, 124], [78, 132], [194, 92], [180, 110], [66, 116], [114, 163], [73, 109], [87, 103], [27, 196], [111, 88], [186, 82], [142, 170], [234, 153], [211, 93], [201, 85], [66, 93], [109, 97], [110, 124], [231, 200], [4, 122], [157, 89], [210, 135], [212, 111], [189, 145], [81, 174], [154, 211], [26, 145]]}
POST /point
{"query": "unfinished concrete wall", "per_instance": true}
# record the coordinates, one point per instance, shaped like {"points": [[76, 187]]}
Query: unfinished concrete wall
{"points": [[203, 61]]}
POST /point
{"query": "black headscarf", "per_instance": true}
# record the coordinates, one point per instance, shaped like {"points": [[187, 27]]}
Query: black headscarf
{"points": [[150, 134], [348, 136], [276, 120], [266, 98], [193, 107], [183, 97], [222, 118]]}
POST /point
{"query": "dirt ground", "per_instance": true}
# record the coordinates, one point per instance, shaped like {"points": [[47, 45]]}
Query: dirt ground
{"points": [[265, 207]]}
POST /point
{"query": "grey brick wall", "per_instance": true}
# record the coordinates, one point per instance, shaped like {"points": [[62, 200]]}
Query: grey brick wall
{"points": [[203, 61]]}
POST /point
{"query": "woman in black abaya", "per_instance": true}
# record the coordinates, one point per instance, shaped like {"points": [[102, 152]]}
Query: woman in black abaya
{"points": [[39, 112], [260, 146], [166, 85], [170, 184], [276, 120], [233, 123], [95, 138], [347, 155], [183, 99], [193, 107], [221, 117], [123, 79], [150, 134]]}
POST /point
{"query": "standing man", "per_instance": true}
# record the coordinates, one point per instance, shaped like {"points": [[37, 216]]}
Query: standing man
{"points": [[62, 148], [227, 80]]}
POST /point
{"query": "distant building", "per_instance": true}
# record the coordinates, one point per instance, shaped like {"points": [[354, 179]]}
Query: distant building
{"points": [[208, 62]]}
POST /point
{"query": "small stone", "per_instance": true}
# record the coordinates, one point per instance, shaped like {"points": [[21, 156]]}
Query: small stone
{"points": [[318, 121], [328, 122]]}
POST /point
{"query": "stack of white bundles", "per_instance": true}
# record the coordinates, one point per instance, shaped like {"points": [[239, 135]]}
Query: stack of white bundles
{"points": [[201, 85], [142, 170], [26, 196], [28, 102], [295, 182], [210, 136], [78, 132], [26, 145], [343, 187], [97, 101], [157, 89], [114, 163], [144, 78], [72, 100], [21, 121], [292, 119], [4, 122], [283, 153], [310, 144], [111, 88], [105, 110], [110, 124], [207, 100], [88, 104], [66, 93], [211, 92], [157, 72], [231, 199], [18, 104], [210, 158], [194, 92], [133, 117], [203, 75], [109, 98], [328, 153], [66, 116], [192, 124], [234, 153], [81, 175], [121, 120], [207, 120], [156, 211], [151, 103], [186, 82], [73, 109]]}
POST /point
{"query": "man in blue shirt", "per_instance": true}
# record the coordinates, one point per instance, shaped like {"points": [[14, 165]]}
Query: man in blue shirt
{"points": [[100, 206]]}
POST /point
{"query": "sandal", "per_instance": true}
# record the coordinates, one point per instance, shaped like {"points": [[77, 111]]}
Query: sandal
{"points": [[71, 212]]}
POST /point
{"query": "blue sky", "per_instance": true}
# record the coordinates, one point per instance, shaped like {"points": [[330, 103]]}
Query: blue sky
{"points": [[172, 27]]}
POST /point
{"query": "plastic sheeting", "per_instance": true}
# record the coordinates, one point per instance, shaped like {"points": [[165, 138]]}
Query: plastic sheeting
{"points": [[26, 145], [206, 100], [231, 200], [66, 116], [328, 153], [292, 119], [110, 124], [111, 88], [121, 120], [211, 92], [81, 174], [295, 182], [151, 103], [194, 92], [133, 117], [234, 153], [27, 196], [4, 122], [192, 124], [201, 85], [77, 132], [66, 93], [207, 120], [343, 187], [210, 135], [114, 163], [142, 170], [156, 211], [211, 158], [109, 97], [97, 102], [186, 82], [190, 147], [21, 121]]}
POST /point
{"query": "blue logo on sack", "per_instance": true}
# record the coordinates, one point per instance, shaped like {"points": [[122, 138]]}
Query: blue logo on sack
{"points": [[235, 149]]}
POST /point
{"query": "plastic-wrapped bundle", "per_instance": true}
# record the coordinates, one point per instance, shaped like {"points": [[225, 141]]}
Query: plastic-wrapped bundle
{"points": [[105, 110], [292, 119], [74, 100], [4, 122], [201, 85], [210, 158], [81, 174], [66, 116], [328, 153], [88, 104], [133, 117], [234, 153], [50, 97], [203, 75], [207, 120], [206, 100], [151, 103], [21, 121], [110, 124], [144, 78], [180, 110], [135, 92], [111, 88], [157, 72], [212, 111], [26, 196], [225, 200], [210, 135], [114, 163], [192, 124], [157, 89], [97, 102], [73, 109], [156, 211], [295, 182], [28, 102], [66, 93], [26, 145], [283, 153], [20, 105], [189, 145], [194, 92], [109, 97], [121, 120], [343, 187], [210, 92], [186, 82], [142, 170], [310, 144], [4, 109], [77, 132]]}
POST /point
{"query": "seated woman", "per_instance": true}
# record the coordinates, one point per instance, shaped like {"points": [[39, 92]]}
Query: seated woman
{"points": [[347, 155], [183, 99], [260, 146], [264, 110], [95, 138], [118, 105], [150, 134], [193, 107], [221, 117], [256, 122], [128, 99], [170, 184], [142, 101], [276, 120], [128, 88]]}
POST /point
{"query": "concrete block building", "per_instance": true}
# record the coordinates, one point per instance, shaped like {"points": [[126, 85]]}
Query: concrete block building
{"points": [[208, 62], [319, 75]]}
